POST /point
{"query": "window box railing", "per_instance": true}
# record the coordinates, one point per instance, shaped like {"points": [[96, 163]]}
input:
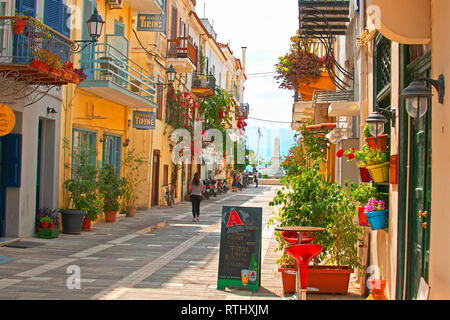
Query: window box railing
{"points": [[183, 47], [203, 85], [103, 62]]}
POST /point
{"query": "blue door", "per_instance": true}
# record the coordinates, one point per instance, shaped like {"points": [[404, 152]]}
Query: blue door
{"points": [[23, 43], [57, 17]]}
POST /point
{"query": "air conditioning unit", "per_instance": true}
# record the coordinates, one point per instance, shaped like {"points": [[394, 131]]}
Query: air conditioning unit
{"points": [[115, 4]]}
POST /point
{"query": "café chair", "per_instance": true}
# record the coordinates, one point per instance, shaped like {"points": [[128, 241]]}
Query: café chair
{"points": [[303, 254], [292, 237]]}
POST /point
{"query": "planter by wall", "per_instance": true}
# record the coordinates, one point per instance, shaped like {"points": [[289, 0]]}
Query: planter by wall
{"points": [[131, 212], [72, 221], [86, 224], [111, 216], [378, 144], [288, 276], [365, 174], [19, 26], [329, 279]]}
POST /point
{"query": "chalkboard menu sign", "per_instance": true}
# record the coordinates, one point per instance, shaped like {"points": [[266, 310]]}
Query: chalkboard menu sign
{"points": [[240, 248]]}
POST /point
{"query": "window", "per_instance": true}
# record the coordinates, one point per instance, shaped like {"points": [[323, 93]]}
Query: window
{"points": [[84, 142], [112, 149], [159, 98]]}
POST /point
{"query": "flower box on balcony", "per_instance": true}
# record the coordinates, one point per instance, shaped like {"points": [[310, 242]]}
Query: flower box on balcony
{"points": [[19, 26]]}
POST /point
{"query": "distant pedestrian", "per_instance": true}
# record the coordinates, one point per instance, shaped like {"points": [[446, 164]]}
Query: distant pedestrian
{"points": [[255, 175], [234, 184], [196, 187], [240, 180]]}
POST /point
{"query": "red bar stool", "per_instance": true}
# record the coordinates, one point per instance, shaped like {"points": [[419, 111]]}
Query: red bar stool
{"points": [[303, 254], [292, 237]]}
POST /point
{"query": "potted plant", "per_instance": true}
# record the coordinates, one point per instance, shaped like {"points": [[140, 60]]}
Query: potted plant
{"points": [[361, 195], [20, 21], [83, 198], [45, 222], [112, 187], [376, 213], [313, 200], [376, 143], [132, 163], [360, 157]]}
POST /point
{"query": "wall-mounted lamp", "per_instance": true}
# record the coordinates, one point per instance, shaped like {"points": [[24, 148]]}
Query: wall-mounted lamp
{"points": [[51, 110], [417, 95], [378, 118], [94, 27], [126, 142], [171, 74]]}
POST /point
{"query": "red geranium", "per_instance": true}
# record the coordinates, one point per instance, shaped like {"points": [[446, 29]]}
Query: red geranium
{"points": [[340, 153]]}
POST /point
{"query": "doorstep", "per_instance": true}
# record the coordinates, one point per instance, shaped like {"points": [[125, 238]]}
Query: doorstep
{"points": [[5, 241]]}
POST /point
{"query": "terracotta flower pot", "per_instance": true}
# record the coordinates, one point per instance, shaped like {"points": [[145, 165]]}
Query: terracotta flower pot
{"points": [[378, 144], [131, 212], [329, 279], [362, 217], [111, 216], [86, 224], [288, 276], [19, 26], [45, 225]]}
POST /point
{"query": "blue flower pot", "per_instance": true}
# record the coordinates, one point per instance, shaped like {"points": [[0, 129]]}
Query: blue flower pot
{"points": [[377, 219]]}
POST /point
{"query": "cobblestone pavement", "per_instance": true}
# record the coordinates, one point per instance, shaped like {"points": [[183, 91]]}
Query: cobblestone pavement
{"points": [[160, 254]]}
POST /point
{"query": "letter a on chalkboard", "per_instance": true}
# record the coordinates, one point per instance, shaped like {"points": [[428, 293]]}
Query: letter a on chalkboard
{"points": [[234, 218]]}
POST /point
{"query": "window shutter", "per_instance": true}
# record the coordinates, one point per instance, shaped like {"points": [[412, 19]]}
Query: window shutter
{"points": [[27, 7], [53, 16], [67, 13], [12, 163]]}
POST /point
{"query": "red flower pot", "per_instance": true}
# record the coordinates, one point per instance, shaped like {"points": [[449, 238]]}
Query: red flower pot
{"points": [[365, 174], [111, 216], [19, 26], [86, 224], [362, 217], [378, 144], [44, 225], [288, 276]]}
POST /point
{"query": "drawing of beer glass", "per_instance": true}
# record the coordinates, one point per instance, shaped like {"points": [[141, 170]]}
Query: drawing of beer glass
{"points": [[245, 273]]}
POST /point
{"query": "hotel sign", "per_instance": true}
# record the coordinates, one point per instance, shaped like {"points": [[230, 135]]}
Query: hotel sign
{"points": [[144, 120], [151, 22]]}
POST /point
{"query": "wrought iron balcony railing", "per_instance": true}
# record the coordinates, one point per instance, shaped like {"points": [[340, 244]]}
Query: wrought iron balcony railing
{"points": [[105, 63], [323, 17], [183, 47]]}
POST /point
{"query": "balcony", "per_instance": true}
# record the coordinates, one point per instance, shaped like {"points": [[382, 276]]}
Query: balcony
{"points": [[33, 54], [203, 86], [147, 6], [244, 109], [183, 54], [113, 76], [319, 17]]}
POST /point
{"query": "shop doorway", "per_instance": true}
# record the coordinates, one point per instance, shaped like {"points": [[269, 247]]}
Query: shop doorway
{"points": [[155, 178], [2, 193]]}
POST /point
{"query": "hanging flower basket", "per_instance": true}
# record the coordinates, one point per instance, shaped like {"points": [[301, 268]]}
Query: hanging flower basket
{"points": [[362, 217], [379, 172], [378, 144], [365, 174], [377, 219]]}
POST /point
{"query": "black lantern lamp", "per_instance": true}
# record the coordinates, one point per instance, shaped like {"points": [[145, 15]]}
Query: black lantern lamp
{"points": [[95, 26], [378, 119], [417, 95], [171, 74]]}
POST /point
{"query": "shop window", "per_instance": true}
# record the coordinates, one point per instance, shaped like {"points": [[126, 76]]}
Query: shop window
{"points": [[84, 142], [112, 149]]}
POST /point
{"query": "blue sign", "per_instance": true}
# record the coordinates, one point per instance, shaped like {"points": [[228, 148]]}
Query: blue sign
{"points": [[151, 22], [144, 120]]}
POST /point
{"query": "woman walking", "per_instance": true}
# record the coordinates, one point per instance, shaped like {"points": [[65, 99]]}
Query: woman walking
{"points": [[196, 187], [234, 184]]}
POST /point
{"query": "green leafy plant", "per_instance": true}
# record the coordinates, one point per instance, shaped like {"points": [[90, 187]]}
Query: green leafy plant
{"points": [[46, 219], [112, 187], [82, 186], [48, 58], [361, 193], [366, 131], [132, 162], [313, 200], [365, 156]]}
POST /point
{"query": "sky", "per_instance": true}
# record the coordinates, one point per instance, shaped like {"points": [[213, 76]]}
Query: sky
{"points": [[265, 28]]}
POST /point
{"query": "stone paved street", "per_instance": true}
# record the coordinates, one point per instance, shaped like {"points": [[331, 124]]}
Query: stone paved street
{"points": [[159, 254]]}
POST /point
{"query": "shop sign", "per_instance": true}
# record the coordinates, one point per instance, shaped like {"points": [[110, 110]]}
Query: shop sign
{"points": [[144, 120], [7, 120], [151, 22]]}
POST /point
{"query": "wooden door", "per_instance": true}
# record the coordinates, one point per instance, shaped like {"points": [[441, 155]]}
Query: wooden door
{"points": [[155, 178], [419, 201]]}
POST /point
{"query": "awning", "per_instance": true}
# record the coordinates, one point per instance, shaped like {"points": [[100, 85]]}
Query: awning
{"points": [[344, 109]]}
